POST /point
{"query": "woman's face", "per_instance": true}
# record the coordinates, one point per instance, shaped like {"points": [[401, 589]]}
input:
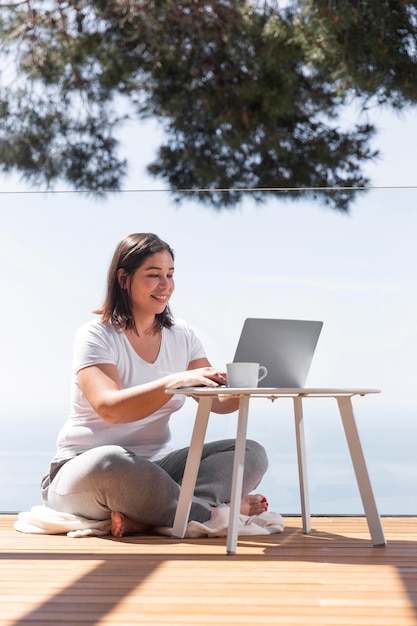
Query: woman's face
{"points": [[152, 284]]}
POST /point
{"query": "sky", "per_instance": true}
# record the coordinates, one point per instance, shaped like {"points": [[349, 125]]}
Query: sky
{"points": [[300, 260]]}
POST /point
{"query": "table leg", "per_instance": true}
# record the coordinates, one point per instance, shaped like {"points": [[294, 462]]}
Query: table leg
{"points": [[237, 479], [361, 471], [191, 467], [302, 464]]}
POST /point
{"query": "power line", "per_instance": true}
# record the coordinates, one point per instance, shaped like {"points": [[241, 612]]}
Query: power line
{"points": [[202, 190]]}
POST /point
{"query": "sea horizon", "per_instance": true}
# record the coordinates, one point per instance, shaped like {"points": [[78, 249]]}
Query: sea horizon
{"points": [[388, 439]]}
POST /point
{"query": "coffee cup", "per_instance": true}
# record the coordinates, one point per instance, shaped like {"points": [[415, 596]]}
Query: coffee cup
{"points": [[245, 374]]}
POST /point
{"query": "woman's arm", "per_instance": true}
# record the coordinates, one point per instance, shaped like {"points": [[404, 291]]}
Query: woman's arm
{"points": [[103, 389]]}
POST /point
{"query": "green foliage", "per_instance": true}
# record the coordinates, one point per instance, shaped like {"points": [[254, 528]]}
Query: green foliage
{"points": [[249, 95], [367, 46]]}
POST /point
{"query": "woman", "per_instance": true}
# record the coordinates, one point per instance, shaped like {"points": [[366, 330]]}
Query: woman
{"points": [[113, 460]]}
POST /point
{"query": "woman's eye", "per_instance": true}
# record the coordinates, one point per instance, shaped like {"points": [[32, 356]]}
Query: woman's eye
{"points": [[169, 276]]}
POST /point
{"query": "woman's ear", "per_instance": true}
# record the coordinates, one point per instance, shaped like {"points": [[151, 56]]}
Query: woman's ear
{"points": [[121, 278]]}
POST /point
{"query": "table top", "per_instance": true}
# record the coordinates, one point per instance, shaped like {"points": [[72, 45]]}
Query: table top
{"points": [[269, 392]]}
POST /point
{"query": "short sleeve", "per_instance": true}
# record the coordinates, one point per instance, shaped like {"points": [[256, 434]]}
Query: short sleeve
{"points": [[93, 345]]}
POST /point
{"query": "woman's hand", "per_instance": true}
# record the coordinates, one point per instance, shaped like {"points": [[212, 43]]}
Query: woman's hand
{"points": [[201, 373], [197, 377]]}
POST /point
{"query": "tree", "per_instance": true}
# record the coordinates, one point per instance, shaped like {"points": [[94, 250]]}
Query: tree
{"points": [[249, 95], [367, 46]]}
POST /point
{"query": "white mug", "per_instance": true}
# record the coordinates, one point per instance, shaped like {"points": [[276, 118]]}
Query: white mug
{"points": [[245, 374]]}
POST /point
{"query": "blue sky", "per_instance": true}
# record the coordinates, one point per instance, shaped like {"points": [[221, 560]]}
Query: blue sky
{"points": [[357, 273]]}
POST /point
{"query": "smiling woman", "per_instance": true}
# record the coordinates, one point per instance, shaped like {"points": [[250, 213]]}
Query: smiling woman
{"points": [[113, 459]]}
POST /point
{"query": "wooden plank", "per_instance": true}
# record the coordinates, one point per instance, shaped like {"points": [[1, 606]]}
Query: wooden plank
{"points": [[333, 577]]}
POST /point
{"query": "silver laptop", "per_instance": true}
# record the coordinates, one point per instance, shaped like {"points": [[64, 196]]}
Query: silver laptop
{"points": [[285, 347]]}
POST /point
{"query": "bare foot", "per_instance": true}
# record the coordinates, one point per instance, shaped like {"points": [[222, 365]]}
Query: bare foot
{"points": [[123, 525], [253, 504]]}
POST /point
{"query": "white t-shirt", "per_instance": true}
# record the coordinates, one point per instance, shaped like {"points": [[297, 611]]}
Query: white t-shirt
{"points": [[97, 343]]}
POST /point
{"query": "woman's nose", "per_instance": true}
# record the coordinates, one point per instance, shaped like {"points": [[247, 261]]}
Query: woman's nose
{"points": [[164, 281]]}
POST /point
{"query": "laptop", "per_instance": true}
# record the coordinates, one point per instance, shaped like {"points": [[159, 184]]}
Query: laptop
{"points": [[285, 347]]}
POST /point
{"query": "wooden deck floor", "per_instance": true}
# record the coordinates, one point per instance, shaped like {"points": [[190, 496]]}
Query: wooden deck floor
{"points": [[332, 577]]}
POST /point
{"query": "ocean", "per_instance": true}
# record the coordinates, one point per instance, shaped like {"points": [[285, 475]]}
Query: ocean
{"points": [[389, 439]]}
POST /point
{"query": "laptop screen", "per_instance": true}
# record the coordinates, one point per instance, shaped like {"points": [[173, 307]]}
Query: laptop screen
{"points": [[284, 347]]}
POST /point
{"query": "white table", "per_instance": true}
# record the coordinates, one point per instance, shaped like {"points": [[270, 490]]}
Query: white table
{"points": [[205, 396]]}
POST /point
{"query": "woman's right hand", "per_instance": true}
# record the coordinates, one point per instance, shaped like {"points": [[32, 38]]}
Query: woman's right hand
{"points": [[206, 376], [201, 373]]}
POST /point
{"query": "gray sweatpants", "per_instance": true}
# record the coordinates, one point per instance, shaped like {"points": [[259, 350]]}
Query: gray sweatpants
{"points": [[110, 478]]}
